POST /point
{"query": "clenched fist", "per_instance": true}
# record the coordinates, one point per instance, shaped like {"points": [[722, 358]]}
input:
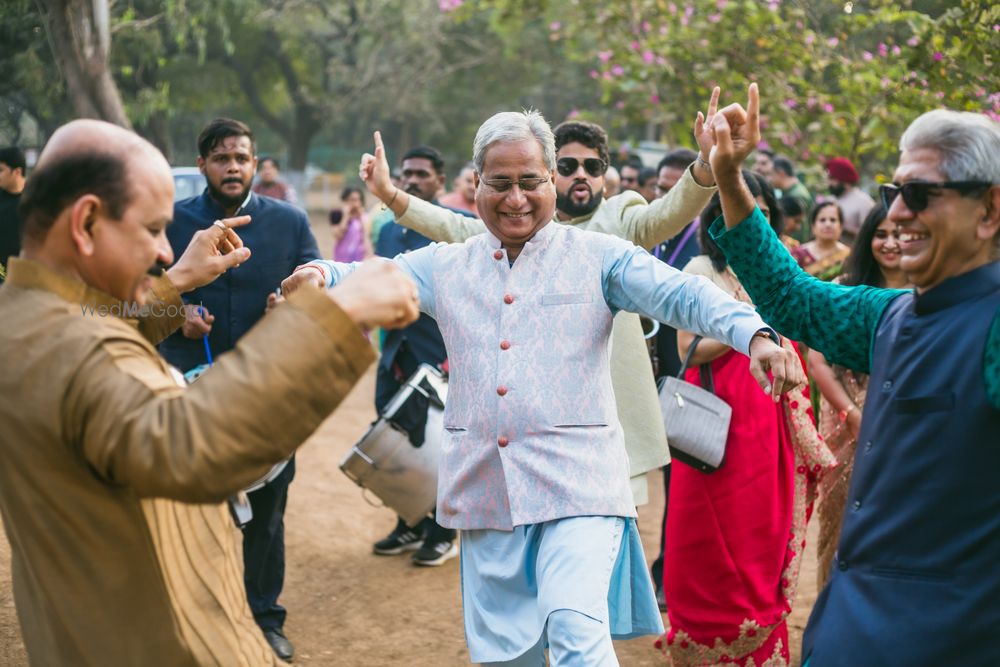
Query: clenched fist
{"points": [[377, 294]]}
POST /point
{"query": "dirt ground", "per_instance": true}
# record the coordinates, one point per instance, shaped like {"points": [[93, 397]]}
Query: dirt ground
{"points": [[348, 608]]}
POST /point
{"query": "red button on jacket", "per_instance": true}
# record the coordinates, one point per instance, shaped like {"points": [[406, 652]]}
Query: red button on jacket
{"points": [[508, 299], [502, 441], [502, 390], [504, 345], [498, 254]]}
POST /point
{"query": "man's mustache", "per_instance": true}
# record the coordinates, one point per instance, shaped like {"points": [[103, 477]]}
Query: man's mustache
{"points": [[157, 270]]}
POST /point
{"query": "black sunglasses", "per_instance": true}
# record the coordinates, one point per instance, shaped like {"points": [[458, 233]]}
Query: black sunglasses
{"points": [[567, 166], [917, 194]]}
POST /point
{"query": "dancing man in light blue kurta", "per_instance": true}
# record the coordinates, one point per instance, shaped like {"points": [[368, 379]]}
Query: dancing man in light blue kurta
{"points": [[533, 465]]}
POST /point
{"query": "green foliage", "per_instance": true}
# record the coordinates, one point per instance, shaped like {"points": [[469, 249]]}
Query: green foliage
{"points": [[832, 82]]}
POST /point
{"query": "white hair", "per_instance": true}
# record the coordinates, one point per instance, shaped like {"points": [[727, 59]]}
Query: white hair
{"points": [[967, 143], [511, 126]]}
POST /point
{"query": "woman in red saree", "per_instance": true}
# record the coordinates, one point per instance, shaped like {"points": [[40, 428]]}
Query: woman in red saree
{"points": [[735, 537]]}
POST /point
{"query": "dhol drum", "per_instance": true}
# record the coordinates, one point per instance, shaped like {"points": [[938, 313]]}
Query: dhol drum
{"points": [[239, 504], [385, 461]]}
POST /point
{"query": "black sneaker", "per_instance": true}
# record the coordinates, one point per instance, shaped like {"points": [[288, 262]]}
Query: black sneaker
{"points": [[402, 538], [432, 554]]}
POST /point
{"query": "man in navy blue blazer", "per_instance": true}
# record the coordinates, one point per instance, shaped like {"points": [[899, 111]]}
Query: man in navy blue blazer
{"points": [[222, 311]]}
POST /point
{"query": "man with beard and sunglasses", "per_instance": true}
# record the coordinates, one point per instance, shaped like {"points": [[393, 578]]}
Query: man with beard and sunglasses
{"points": [[581, 161], [220, 313], [115, 472], [403, 350], [914, 580]]}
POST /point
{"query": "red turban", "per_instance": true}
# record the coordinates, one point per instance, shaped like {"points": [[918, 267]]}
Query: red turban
{"points": [[841, 169]]}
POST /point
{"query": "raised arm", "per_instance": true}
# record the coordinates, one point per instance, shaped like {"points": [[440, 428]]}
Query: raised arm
{"points": [[637, 282], [647, 225], [838, 321], [434, 222]]}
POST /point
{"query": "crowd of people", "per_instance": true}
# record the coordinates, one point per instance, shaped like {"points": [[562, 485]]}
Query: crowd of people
{"points": [[857, 344]]}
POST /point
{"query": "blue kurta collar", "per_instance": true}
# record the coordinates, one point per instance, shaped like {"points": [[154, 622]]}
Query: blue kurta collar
{"points": [[970, 285]]}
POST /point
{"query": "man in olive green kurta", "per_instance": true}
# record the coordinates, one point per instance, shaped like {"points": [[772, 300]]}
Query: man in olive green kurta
{"points": [[115, 474]]}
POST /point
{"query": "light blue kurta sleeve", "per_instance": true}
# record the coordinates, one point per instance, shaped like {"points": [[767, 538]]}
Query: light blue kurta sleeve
{"points": [[417, 264], [637, 282]]}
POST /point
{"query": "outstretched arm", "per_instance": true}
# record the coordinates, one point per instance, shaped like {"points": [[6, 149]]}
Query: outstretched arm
{"points": [[637, 282], [660, 220], [434, 222], [838, 321]]}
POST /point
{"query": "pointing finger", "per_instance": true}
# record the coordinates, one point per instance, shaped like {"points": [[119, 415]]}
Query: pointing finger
{"points": [[753, 105], [379, 146], [713, 104]]}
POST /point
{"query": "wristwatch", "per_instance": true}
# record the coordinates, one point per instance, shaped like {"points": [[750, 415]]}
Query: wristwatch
{"points": [[767, 333]]}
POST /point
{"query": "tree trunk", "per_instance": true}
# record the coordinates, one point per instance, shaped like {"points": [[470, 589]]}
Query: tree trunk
{"points": [[80, 40]]}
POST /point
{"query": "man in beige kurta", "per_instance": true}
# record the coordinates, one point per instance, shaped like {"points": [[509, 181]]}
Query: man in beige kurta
{"points": [[626, 215], [115, 474]]}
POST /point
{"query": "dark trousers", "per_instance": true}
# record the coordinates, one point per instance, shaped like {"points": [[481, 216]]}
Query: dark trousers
{"points": [[657, 568], [264, 550]]}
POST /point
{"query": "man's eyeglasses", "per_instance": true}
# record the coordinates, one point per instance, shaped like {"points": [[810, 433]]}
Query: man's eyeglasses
{"points": [[917, 194], [567, 166], [526, 184]]}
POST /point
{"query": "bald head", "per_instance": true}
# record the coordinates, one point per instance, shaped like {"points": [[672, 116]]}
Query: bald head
{"points": [[89, 157]]}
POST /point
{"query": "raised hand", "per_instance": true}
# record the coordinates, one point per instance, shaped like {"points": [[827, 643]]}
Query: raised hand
{"points": [[374, 171], [703, 126], [211, 252], [736, 133]]}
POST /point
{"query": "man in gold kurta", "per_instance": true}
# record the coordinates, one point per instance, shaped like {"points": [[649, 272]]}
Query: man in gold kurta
{"points": [[115, 475]]}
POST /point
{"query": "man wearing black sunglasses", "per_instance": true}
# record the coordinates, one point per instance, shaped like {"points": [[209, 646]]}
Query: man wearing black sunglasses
{"points": [[915, 578]]}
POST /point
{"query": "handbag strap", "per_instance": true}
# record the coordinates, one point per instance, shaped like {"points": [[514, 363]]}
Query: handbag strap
{"points": [[705, 370]]}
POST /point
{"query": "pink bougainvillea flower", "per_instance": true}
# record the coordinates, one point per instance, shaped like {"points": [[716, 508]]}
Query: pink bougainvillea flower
{"points": [[828, 107], [762, 145], [617, 70], [555, 25], [604, 56], [913, 41], [619, 105], [896, 50], [883, 50], [833, 41], [648, 57], [594, 74], [654, 99], [867, 56], [714, 18], [791, 103], [938, 56], [634, 45]]}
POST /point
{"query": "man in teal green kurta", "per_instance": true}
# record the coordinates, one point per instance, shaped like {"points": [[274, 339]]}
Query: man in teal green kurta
{"points": [[915, 580]]}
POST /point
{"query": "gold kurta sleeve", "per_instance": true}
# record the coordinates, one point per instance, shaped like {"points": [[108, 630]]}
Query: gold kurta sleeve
{"points": [[649, 224], [165, 311], [439, 224], [202, 443]]}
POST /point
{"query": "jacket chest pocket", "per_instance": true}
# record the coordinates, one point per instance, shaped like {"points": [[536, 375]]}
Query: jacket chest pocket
{"points": [[566, 298]]}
